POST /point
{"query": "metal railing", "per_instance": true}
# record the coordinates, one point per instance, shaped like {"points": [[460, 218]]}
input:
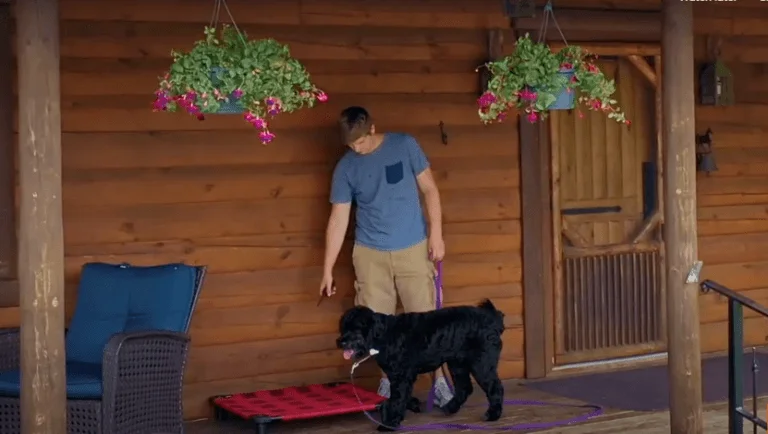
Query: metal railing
{"points": [[736, 411]]}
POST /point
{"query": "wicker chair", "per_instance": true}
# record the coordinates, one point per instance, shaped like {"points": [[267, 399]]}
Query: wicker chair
{"points": [[126, 348]]}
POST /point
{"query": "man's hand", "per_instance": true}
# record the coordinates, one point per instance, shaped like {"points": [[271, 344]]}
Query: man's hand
{"points": [[327, 287], [436, 248]]}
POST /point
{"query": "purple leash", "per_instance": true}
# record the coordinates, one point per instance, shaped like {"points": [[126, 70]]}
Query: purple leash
{"points": [[438, 305], [595, 409]]}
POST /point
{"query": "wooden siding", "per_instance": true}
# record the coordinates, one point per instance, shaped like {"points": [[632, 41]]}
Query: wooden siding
{"points": [[147, 188]]}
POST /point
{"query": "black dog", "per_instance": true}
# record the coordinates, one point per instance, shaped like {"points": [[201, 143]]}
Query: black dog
{"points": [[466, 338]]}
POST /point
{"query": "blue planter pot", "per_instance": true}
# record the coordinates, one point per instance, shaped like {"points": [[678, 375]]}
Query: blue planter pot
{"points": [[565, 100], [233, 106]]}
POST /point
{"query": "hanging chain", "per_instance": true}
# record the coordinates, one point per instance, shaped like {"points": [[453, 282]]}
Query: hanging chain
{"points": [[549, 13], [217, 11], [215, 16]]}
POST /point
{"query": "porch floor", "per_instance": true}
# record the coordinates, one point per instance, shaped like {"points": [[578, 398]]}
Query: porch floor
{"points": [[611, 422]]}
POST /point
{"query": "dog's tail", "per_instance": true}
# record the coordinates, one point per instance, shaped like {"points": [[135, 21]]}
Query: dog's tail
{"points": [[498, 316]]}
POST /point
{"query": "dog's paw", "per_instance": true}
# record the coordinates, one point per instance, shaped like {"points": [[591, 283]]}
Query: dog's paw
{"points": [[493, 414], [451, 407], [413, 405], [382, 428]]}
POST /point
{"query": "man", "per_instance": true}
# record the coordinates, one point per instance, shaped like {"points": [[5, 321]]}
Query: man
{"points": [[393, 253]]}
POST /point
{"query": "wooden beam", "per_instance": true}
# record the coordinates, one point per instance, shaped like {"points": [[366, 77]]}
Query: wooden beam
{"points": [[648, 226], [684, 362], [41, 249], [576, 239], [610, 25], [613, 48], [495, 44], [644, 68], [8, 252], [537, 246]]}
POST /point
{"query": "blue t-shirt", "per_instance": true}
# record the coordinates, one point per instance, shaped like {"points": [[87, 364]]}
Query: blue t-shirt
{"points": [[383, 185]]}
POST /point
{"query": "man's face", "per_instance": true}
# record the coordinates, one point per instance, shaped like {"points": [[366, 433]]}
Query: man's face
{"points": [[365, 143]]}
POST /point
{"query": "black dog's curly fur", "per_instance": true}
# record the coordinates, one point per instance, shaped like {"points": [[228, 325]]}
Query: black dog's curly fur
{"points": [[467, 339]]}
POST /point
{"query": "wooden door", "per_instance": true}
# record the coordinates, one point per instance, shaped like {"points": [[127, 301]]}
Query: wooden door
{"points": [[609, 300]]}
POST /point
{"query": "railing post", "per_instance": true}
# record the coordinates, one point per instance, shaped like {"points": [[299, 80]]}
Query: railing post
{"points": [[735, 366]]}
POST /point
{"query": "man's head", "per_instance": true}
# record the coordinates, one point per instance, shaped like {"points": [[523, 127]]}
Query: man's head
{"points": [[357, 129]]}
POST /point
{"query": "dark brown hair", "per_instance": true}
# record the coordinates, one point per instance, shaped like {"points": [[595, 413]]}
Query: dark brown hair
{"points": [[355, 122]]}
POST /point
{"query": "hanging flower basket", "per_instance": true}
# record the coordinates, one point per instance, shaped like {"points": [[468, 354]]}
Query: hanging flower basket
{"points": [[535, 80], [255, 78], [565, 100]]}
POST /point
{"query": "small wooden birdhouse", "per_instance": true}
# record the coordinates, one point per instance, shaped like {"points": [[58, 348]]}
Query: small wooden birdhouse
{"points": [[716, 84], [519, 8]]}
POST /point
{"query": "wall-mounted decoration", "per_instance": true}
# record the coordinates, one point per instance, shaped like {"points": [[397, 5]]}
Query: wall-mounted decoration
{"points": [[519, 8], [705, 159], [716, 84], [715, 79]]}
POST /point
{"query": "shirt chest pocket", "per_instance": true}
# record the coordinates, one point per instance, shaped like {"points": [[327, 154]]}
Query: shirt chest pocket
{"points": [[394, 173]]}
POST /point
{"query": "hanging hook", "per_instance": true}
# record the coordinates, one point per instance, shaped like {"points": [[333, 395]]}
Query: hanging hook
{"points": [[443, 134]]}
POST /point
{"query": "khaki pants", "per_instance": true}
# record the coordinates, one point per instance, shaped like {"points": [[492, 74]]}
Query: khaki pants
{"points": [[382, 276]]}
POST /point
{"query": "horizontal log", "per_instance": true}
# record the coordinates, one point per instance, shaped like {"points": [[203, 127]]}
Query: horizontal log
{"points": [[643, 24], [614, 48]]}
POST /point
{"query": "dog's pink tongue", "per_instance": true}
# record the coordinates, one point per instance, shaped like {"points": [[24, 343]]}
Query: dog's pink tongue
{"points": [[348, 354]]}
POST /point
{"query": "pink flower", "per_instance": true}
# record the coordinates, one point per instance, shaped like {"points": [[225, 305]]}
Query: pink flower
{"points": [[501, 116], [566, 65], [274, 110], [266, 137], [486, 99], [237, 93], [532, 117], [322, 96], [162, 99], [255, 120], [259, 123], [592, 68], [527, 95], [270, 100]]}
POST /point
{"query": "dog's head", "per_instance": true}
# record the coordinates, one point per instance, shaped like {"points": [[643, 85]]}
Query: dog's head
{"points": [[356, 331]]}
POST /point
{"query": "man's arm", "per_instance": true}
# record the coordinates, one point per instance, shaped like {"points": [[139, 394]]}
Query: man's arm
{"points": [[334, 234], [432, 201]]}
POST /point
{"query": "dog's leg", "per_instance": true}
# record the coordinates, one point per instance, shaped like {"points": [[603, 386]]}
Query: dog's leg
{"points": [[462, 386], [485, 371], [393, 410], [413, 405]]}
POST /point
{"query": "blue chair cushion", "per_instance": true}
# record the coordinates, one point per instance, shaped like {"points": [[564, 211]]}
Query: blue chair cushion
{"points": [[83, 381], [123, 298]]}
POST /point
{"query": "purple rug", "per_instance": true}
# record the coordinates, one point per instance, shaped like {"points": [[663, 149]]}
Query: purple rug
{"points": [[646, 389]]}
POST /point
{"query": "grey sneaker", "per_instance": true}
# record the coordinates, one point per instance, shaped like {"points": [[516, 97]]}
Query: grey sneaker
{"points": [[442, 392], [384, 388]]}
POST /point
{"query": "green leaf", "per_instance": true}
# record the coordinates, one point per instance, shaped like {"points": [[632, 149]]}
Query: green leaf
{"points": [[534, 65], [226, 60]]}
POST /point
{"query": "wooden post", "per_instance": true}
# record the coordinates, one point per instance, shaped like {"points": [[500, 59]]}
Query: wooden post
{"points": [[8, 254], [41, 249], [680, 218]]}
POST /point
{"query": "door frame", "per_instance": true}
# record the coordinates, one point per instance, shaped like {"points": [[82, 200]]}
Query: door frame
{"points": [[536, 197]]}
